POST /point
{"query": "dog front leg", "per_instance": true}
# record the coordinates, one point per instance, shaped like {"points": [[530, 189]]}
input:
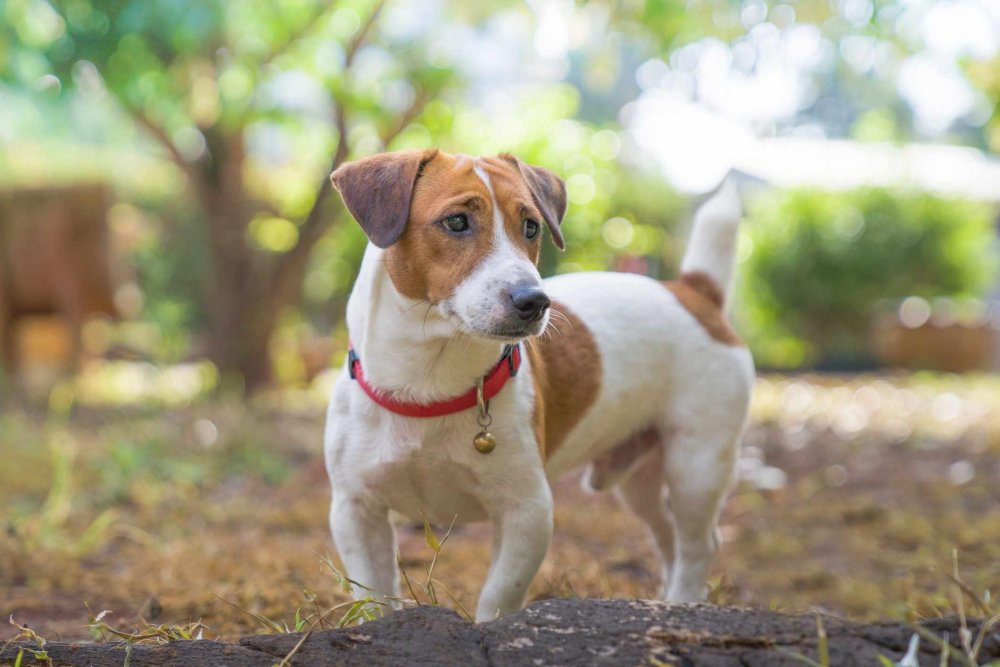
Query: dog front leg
{"points": [[366, 541], [521, 539]]}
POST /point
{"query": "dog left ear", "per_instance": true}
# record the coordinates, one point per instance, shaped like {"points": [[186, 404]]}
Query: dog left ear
{"points": [[377, 191], [549, 193]]}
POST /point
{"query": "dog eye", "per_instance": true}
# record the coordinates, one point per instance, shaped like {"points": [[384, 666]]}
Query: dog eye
{"points": [[530, 229], [456, 223]]}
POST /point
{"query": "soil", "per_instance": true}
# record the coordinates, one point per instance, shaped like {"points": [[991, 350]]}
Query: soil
{"points": [[855, 495], [555, 632]]}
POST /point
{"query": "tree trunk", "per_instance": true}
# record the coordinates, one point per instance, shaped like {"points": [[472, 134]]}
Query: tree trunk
{"points": [[241, 334], [243, 307]]}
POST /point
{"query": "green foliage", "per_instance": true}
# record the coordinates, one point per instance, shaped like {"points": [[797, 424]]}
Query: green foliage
{"points": [[985, 75], [601, 188], [821, 262], [197, 74], [250, 99], [252, 102]]}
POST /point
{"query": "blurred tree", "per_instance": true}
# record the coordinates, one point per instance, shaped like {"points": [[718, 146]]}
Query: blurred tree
{"points": [[860, 64], [819, 264], [986, 76], [255, 102]]}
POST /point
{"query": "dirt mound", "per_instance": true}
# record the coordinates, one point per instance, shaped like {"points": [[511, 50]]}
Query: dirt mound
{"points": [[553, 632]]}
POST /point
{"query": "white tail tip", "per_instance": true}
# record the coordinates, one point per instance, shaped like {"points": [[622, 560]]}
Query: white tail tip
{"points": [[712, 246]]}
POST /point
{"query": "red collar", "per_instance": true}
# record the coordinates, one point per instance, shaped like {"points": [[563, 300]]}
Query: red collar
{"points": [[493, 382]]}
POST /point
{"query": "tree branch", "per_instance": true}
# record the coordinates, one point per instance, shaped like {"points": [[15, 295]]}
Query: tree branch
{"points": [[307, 26], [287, 276], [157, 132], [416, 107], [361, 35], [295, 35]]}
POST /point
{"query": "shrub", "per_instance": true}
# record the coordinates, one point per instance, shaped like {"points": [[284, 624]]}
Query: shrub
{"points": [[821, 262]]}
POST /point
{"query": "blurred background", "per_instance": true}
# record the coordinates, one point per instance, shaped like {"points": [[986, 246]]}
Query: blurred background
{"points": [[174, 270]]}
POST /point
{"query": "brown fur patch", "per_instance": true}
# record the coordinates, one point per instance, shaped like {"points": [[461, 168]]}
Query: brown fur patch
{"points": [[377, 191], [701, 297], [615, 464], [548, 192], [566, 370], [429, 263]]}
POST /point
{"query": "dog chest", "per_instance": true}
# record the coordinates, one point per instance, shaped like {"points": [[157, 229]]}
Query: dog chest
{"points": [[429, 467]]}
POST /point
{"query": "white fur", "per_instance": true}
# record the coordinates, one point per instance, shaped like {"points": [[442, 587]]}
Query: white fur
{"points": [[712, 246], [660, 369], [480, 302]]}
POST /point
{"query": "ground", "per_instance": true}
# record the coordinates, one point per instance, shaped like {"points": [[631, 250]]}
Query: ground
{"points": [[855, 493], [561, 632]]}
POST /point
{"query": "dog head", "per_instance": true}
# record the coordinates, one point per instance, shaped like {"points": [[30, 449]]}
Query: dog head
{"points": [[462, 233]]}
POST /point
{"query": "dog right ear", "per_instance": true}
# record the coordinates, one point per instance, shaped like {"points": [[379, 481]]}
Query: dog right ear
{"points": [[377, 191]]}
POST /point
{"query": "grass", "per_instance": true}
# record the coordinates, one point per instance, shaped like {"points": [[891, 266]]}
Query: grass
{"points": [[854, 493], [26, 634]]}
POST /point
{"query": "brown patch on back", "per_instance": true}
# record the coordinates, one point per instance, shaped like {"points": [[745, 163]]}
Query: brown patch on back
{"points": [[703, 298], [427, 263], [566, 370]]}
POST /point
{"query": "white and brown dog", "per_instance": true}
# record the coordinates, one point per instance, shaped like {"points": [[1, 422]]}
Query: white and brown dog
{"points": [[644, 381]]}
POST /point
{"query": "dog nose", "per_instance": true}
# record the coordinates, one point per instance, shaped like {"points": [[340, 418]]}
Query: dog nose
{"points": [[529, 301]]}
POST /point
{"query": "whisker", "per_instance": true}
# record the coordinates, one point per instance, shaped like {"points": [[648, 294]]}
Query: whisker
{"points": [[556, 313], [417, 304], [405, 311], [426, 313], [448, 340]]}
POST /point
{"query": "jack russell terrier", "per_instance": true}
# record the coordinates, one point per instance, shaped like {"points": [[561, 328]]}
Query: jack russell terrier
{"points": [[472, 382]]}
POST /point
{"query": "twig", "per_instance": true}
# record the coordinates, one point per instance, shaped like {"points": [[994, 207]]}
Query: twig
{"points": [[963, 633], [263, 620], [823, 644], [456, 601], [429, 585], [940, 643], [981, 635], [406, 577], [287, 660]]}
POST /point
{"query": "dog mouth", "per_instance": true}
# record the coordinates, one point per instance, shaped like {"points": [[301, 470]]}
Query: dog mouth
{"points": [[506, 334], [514, 334], [504, 331]]}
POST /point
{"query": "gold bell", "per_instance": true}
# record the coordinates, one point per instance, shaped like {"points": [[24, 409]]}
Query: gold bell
{"points": [[484, 442]]}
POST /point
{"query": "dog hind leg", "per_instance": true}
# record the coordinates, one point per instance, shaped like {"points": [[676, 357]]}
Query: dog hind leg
{"points": [[699, 474], [642, 491]]}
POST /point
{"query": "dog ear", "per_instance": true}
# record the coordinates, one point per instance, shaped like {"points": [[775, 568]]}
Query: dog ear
{"points": [[377, 191], [549, 193]]}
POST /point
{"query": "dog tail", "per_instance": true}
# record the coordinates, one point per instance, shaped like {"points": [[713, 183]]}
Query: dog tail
{"points": [[711, 250]]}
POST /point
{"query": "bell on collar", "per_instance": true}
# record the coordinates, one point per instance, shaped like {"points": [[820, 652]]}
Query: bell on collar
{"points": [[484, 442]]}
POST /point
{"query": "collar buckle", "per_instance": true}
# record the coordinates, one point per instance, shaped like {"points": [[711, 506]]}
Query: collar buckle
{"points": [[509, 351], [352, 362]]}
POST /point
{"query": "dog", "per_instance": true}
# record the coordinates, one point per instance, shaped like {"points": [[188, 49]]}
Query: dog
{"points": [[472, 382]]}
